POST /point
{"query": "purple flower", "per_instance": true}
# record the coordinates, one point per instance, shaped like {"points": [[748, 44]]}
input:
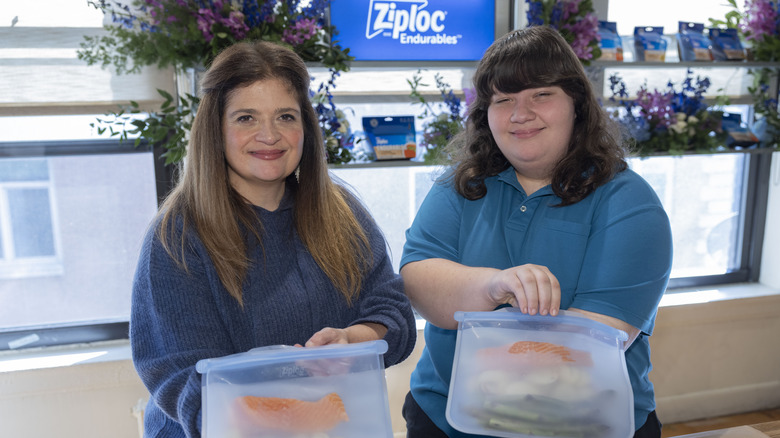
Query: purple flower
{"points": [[584, 31], [206, 19], [761, 18], [470, 95], [235, 23], [579, 25], [570, 9], [300, 32], [656, 106]]}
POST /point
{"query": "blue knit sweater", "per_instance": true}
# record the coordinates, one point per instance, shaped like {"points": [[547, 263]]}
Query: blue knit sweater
{"points": [[179, 317]]}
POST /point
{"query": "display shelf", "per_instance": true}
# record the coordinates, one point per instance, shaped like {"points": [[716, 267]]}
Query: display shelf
{"points": [[685, 64], [729, 78], [383, 82], [382, 88]]}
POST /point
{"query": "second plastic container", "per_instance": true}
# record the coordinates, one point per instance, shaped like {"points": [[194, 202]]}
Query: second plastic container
{"points": [[516, 375]]}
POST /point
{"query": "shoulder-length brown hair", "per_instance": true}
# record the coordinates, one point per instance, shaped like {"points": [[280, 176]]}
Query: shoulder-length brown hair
{"points": [[205, 201], [535, 57]]}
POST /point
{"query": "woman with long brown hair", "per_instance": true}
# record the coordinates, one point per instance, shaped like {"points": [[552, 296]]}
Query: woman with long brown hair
{"points": [[256, 245]]}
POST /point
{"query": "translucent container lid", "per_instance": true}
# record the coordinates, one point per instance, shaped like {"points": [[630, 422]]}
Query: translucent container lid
{"points": [[516, 375], [284, 391]]}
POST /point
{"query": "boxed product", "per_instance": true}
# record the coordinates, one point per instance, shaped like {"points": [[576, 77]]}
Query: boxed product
{"points": [[516, 375], [392, 138], [738, 134], [649, 44], [610, 43], [726, 45], [692, 44], [289, 392]]}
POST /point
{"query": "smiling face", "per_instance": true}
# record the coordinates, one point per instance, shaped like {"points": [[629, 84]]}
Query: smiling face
{"points": [[263, 131], [532, 128]]}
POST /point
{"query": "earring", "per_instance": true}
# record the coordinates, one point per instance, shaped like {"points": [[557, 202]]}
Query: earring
{"points": [[298, 174]]}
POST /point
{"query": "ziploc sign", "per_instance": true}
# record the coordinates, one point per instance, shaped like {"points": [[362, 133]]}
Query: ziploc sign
{"points": [[412, 30]]}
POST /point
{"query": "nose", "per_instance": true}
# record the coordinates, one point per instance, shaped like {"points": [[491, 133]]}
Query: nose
{"points": [[267, 133], [522, 112]]}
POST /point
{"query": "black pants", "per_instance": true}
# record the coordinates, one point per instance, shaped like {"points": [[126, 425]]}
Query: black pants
{"points": [[419, 425]]}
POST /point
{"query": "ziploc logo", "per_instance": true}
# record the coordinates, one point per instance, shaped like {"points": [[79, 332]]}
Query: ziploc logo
{"points": [[406, 20]]}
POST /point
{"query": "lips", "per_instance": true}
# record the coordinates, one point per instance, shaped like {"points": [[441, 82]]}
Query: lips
{"points": [[272, 154], [526, 133]]}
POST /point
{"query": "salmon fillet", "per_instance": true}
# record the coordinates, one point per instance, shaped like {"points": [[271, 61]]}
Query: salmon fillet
{"points": [[534, 353], [293, 415]]}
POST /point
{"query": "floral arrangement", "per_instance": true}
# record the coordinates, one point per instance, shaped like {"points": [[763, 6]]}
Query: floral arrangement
{"points": [[574, 19], [441, 121], [338, 136], [668, 121], [188, 34], [759, 25]]}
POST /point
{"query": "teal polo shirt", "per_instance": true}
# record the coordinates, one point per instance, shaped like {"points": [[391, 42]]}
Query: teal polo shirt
{"points": [[611, 253]]}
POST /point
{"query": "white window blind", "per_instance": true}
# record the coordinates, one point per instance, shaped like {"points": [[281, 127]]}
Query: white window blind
{"points": [[40, 73]]}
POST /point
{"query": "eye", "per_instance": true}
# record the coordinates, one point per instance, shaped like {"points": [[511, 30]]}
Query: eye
{"points": [[287, 117], [244, 118]]}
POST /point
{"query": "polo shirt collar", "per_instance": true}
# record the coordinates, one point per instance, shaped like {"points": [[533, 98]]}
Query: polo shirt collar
{"points": [[508, 176]]}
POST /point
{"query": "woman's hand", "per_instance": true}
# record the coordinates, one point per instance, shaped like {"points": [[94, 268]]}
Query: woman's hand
{"points": [[350, 335], [438, 288], [531, 288], [329, 335]]}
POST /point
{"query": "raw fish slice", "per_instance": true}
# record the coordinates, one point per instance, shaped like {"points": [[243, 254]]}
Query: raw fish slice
{"points": [[293, 415], [533, 353]]}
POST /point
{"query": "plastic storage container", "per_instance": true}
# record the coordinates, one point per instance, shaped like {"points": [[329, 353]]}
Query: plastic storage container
{"points": [[516, 375], [283, 391]]}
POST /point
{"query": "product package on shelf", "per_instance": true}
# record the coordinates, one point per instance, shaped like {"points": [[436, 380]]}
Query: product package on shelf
{"points": [[739, 135], [649, 44], [392, 138], [610, 43], [726, 45], [692, 44]]}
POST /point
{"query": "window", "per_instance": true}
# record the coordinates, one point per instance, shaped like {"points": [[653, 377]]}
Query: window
{"points": [[71, 230], [707, 198], [28, 244]]}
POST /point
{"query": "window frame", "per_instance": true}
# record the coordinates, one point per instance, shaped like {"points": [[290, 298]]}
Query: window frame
{"points": [[106, 330]]}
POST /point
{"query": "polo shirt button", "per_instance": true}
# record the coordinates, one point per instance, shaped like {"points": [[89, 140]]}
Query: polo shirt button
{"points": [[523, 208]]}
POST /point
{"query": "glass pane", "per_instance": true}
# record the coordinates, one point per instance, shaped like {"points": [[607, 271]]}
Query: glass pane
{"points": [[702, 195], [31, 222], [24, 170], [102, 207], [392, 195]]}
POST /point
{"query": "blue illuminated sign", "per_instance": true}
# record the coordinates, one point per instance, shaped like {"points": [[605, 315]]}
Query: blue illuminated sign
{"points": [[413, 30]]}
